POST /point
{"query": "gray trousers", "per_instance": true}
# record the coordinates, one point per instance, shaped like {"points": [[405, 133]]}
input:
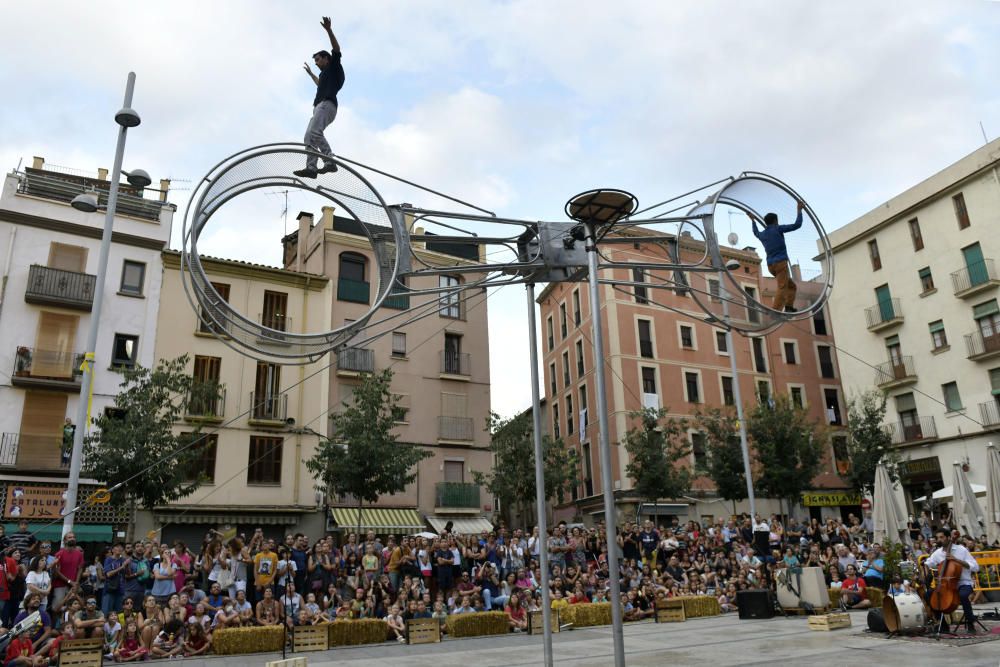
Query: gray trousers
{"points": [[323, 114]]}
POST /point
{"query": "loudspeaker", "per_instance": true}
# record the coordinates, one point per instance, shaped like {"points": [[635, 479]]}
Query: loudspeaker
{"points": [[755, 604], [876, 621]]}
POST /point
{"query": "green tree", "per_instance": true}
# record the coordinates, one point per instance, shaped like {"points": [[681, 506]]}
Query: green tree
{"points": [[868, 442], [724, 461], [789, 447], [655, 447], [363, 457], [139, 431], [512, 478]]}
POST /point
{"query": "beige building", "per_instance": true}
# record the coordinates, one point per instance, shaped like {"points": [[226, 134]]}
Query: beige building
{"points": [[440, 365], [672, 359], [261, 428], [916, 300]]}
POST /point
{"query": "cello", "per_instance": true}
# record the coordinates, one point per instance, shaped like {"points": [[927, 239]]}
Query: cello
{"points": [[944, 598]]}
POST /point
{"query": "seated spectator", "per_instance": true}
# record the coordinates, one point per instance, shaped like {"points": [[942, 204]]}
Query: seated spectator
{"points": [[215, 599], [89, 621], [397, 628], [52, 648], [130, 648], [244, 609], [197, 641], [517, 615], [21, 653], [440, 614], [465, 607], [422, 611], [112, 634], [268, 610], [170, 642], [853, 594]]}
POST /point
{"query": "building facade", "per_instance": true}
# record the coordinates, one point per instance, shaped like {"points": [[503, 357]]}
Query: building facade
{"points": [[50, 253], [916, 302], [670, 358], [440, 365], [263, 424]]}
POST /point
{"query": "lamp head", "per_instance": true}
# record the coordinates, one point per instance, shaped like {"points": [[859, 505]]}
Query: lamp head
{"points": [[127, 117], [732, 265], [85, 202], [139, 178]]}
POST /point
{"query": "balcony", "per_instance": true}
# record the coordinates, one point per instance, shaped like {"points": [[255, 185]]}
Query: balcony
{"points": [[980, 347], [47, 369], [456, 497], [64, 187], [277, 322], [355, 291], [904, 434], [456, 364], [398, 300], [268, 409], [24, 451], [884, 315], [457, 429], [895, 373], [206, 402], [55, 287], [975, 279], [351, 361], [989, 412]]}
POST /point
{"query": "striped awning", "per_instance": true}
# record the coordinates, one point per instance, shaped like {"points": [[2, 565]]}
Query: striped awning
{"points": [[461, 525], [380, 519], [230, 519]]}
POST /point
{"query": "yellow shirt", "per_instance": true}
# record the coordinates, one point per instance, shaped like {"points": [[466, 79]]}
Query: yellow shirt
{"points": [[264, 568], [560, 603]]}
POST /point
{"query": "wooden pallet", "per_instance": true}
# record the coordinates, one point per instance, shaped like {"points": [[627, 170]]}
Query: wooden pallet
{"points": [[310, 638], [536, 624], [81, 653], [670, 611], [827, 622], [423, 631]]}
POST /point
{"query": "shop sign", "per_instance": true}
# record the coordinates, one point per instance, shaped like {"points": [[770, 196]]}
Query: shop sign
{"points": [[34, 502], [920, 469], [830, 499]]}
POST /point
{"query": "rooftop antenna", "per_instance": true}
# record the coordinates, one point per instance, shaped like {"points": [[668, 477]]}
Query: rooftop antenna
{"points": [[983, 130]]}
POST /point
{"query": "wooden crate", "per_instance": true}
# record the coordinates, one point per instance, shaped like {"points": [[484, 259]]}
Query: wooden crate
{"points": [[290, 662], [536, 623], [827, 622], [670, 611], [310, 638], [423, 631], [81, 653]]}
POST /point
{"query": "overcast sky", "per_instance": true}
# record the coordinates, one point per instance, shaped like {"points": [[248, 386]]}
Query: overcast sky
{"points": [[517, 105]]}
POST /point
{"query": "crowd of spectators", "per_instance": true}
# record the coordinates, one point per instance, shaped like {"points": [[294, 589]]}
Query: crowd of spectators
{"points": [[148, 600]]}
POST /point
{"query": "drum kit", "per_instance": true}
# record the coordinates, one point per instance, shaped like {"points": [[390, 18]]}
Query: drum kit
{"points": [[906, 614]]}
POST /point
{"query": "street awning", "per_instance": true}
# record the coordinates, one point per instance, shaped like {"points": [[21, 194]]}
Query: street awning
{"points": [[230, 519], [463, 525], [85, 532], [380, 519], [666, 509]]}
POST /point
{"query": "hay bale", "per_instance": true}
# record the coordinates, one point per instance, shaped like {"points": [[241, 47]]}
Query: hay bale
{"points": [[234, 641], [357, 632], [478, 624]]}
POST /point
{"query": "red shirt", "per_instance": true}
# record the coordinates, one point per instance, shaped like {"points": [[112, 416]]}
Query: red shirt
{"points": [[20, 648], [8, 567], [856, 584], [70, 563]]}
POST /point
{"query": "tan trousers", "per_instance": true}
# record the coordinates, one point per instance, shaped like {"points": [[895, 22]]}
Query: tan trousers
{"points": [[785, 296]]}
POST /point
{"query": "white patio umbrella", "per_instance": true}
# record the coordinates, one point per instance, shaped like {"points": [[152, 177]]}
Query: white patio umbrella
{"points": [[967, 515], [945, 494], [993, 494], [890, 522]]}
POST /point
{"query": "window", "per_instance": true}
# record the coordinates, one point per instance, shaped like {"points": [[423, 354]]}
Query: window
{"points": [[648, 380], [267, 400], [987, 317], [753, 315], [351, 283], [906, 407], [398, 344], [952, 399], [819, 322], [570, 416], [562, 320], [454, 471], [207, 321], [67, 257], [264, 466], [133, 277], [721, 342], [556, 432], [961, 212], [691, 387], [790, 356], [584, 411], [759, 358], [795, 393], [201, 466], [698, 450], [886, 305], [840, 454], [451, 301], [764, 391], [831, 400], [454, 361], [275, 315], [205, 386], [577, 318], [918, 240], [565, 360], [124, 350], [825, 361], [645, 339], [550, 333], [873, 254], [714, 290], [938, 337], [579, 359], [641, 295], [728, 395], [687, 337], [926, 279], [588, 473], [553, 385], [895, 350], [977, 271], [54, 355]]}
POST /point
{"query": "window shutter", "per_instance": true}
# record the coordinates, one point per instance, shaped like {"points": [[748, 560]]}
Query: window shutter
{"points": [[937, 326], [905, 403], [985, 309], [995, 381]]}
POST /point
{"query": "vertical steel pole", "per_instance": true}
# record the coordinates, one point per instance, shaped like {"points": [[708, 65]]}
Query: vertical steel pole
{"points": [[737, 396], [536, 413], [76, 461], [607, 485]]}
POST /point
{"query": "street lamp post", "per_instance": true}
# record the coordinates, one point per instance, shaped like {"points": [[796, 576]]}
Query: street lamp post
{"points": [[126, 117]]}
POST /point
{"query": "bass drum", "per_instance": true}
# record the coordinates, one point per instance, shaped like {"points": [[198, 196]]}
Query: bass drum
{"points": [[904, 613]]}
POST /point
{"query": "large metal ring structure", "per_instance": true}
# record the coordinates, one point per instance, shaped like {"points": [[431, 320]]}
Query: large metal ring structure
{"points": [[268, 166]]}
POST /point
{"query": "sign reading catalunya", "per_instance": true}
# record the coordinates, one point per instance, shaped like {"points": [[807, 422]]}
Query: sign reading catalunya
{"points": [[34, 502], [830, 498]]}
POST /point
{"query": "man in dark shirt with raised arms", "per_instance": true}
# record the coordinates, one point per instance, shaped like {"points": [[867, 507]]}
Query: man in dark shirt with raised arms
{"points": [[328, 84], [772, 235]]}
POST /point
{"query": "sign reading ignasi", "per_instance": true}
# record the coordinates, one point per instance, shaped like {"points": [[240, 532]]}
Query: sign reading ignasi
{"points": [[34, 502], [830, 499]]}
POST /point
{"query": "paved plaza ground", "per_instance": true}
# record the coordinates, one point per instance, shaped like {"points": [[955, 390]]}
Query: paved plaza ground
{"points": [[720, 640]]}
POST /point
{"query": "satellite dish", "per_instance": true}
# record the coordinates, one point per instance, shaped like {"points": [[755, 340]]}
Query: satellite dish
{"points": [[733, 238]]}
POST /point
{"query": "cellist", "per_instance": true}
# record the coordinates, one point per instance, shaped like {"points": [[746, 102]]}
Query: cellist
{"points": [[948, 550]]}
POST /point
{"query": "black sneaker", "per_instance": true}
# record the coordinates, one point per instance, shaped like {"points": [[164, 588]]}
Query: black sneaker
{"points": [[327, 168], [305, 173]]}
